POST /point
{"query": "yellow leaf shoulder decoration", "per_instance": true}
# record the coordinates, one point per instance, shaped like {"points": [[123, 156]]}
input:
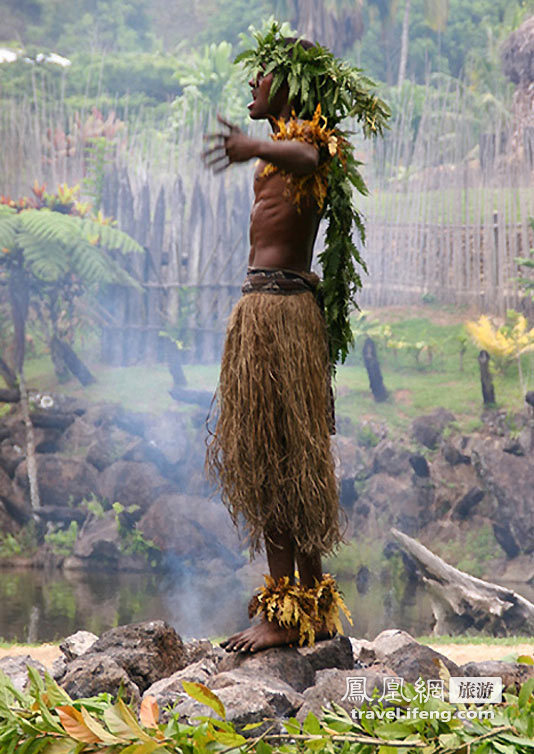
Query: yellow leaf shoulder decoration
{"points": [[329, 142], [309, 609]]}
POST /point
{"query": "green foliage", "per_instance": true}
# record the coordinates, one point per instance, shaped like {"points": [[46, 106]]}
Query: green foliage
{"points": [[46, 719], [132, 540], [62, 541], [9, 545], [210, 83], [24, 542]]}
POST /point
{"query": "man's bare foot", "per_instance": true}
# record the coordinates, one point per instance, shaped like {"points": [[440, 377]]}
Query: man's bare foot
{"points": [[265, 635]]}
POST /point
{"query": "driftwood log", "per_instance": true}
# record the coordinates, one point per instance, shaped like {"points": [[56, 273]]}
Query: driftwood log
{"points": [[461, 602]]}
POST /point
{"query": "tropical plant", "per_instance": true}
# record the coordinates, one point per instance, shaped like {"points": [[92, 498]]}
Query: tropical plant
{"points": [[52, 250], [505, 344], [210, 82]]}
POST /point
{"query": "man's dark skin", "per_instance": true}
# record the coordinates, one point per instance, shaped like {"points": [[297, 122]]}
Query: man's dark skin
{"points": [[281, 236]]}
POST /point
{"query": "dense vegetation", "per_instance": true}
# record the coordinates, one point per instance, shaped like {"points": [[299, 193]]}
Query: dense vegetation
{"points": [[134, 46], [46, 719]]}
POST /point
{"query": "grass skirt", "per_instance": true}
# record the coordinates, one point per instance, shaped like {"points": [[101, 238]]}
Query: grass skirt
{"points": [[270, 451]]}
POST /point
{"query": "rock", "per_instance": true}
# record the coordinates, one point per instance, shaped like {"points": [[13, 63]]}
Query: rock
{"points": [[332, 685], [467, 503], [192, 527], [280, 662], [510, 480], [202, 649], [132, 484], [428, 429], [109, 446], [78, 436], [409, 659], [16, 669], [51, 419], [333, 653], [147, 651], [169, 691], [246, 700], [391, 501], [59, 668], [454, 455], [282, 697], [10, 457], [420, 466], [351, 460], [133, 422], [62, 481], [505, 536], [99, 542], [520, 569], [77, 644], [13, 502], [92, 674], [390, 459], [102, 414], [512, 673], [362, 651]]}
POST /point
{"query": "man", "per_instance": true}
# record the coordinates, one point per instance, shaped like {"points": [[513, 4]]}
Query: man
{"points": [[271, 446]]}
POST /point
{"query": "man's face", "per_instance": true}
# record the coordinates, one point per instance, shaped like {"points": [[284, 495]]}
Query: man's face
{"points": [[261, 107]]}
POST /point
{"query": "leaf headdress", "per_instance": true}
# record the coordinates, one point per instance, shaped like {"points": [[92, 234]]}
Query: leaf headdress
{"points": [[316, 78]]}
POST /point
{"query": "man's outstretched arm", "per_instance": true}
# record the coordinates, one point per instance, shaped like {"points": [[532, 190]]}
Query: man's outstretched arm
{"points": [[234, 146]]}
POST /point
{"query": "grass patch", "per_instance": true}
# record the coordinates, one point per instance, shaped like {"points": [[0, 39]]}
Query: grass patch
{"points": [[500, 640], [419, 377]]}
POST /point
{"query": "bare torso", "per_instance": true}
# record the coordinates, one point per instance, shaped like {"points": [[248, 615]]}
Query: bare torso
{"points": [[281, 234]]}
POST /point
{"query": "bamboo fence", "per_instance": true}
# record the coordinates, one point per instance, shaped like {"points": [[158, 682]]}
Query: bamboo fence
{"points": [[447, 216]]}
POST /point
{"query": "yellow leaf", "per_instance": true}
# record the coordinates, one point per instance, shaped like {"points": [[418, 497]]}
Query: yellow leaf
{"points": [[149, 712], [203, 695], [105, 736], [73, 722], [132, 723], [116, 723]]}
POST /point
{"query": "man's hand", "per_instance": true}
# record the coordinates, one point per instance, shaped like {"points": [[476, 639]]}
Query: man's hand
{"points": [[231, 146]]}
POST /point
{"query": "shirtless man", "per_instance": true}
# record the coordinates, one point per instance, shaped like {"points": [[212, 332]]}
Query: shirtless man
{"points": [[274, 391]]}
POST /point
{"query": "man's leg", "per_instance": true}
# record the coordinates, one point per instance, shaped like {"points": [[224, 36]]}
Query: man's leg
{"points": [[280, 550]]}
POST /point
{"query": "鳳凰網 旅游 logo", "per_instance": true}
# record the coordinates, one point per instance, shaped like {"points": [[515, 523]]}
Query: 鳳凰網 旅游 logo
{"points": [[410, 702]]}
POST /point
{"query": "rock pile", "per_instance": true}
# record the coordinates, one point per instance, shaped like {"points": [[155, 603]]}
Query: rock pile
{"points": [[150, 659]]}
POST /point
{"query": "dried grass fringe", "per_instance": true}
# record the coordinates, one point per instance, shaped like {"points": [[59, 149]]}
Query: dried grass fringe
{"points": [[310, 609], [270, 452]]}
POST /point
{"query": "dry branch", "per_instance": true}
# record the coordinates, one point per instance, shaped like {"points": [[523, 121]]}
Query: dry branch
{"points": [[461, 601]]}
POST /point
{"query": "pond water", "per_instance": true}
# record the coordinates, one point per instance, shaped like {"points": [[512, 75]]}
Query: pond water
{"points": [[38, 606]]}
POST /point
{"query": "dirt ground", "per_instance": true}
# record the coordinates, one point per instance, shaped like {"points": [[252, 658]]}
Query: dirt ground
{"points": [[459, 653]]}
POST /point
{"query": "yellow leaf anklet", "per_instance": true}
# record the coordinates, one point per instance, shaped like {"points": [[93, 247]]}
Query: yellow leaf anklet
{"points": [[309, 609]]}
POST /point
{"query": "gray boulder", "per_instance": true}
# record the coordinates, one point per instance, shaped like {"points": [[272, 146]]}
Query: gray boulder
{"points": [[170, 691], [62, 480], [333, 685], [17, 671], [428, 429], [409, 659], [92, 674], [333, 653], [513, 674], [77, 644], [147, 651], [283, 663], [246, 700]]}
